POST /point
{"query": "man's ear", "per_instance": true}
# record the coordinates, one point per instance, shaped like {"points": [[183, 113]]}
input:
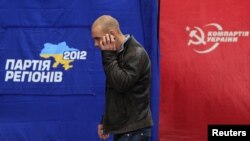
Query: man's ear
{"points": [[111, 32]]}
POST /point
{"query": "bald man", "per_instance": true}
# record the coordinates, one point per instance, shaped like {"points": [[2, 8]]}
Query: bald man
{"points": [[127, 68]]}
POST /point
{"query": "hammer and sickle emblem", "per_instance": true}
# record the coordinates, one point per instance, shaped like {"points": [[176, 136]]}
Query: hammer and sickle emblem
{"points": [[198, 39]]}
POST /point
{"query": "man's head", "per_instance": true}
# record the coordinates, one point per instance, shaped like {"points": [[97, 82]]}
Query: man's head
{"points": [[105, 25]]}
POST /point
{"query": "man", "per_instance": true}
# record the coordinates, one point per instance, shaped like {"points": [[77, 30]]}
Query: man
{"points": [[128, 72]]}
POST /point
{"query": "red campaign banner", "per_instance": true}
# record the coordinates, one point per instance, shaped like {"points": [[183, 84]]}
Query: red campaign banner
{"points": [[205, 67]]}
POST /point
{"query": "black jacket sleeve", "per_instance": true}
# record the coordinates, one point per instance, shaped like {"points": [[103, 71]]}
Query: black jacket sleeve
{"points": [[121, 77]]}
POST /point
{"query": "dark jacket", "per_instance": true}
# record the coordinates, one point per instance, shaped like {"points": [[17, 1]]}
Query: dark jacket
{"points": [[128, 76]]}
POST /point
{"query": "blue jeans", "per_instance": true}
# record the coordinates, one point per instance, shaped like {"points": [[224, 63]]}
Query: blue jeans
{"points": [[138, 135]]}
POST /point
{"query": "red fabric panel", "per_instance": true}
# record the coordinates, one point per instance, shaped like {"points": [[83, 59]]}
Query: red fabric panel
{"points": [[198, 89]]}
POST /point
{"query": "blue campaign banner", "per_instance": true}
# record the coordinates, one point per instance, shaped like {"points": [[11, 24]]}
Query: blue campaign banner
{"points": [[46, 48], [52, 84]]}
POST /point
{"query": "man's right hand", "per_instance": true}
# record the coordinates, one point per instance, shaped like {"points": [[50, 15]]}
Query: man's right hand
{"points": [[100, 132], [108, 43]]}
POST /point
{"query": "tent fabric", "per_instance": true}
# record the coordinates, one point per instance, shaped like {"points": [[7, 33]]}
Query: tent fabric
{"points": [[204, 67], [43, 97]]}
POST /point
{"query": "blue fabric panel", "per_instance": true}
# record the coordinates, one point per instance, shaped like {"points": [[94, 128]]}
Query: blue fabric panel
{"points": [[69, 105], [149, 15]]}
